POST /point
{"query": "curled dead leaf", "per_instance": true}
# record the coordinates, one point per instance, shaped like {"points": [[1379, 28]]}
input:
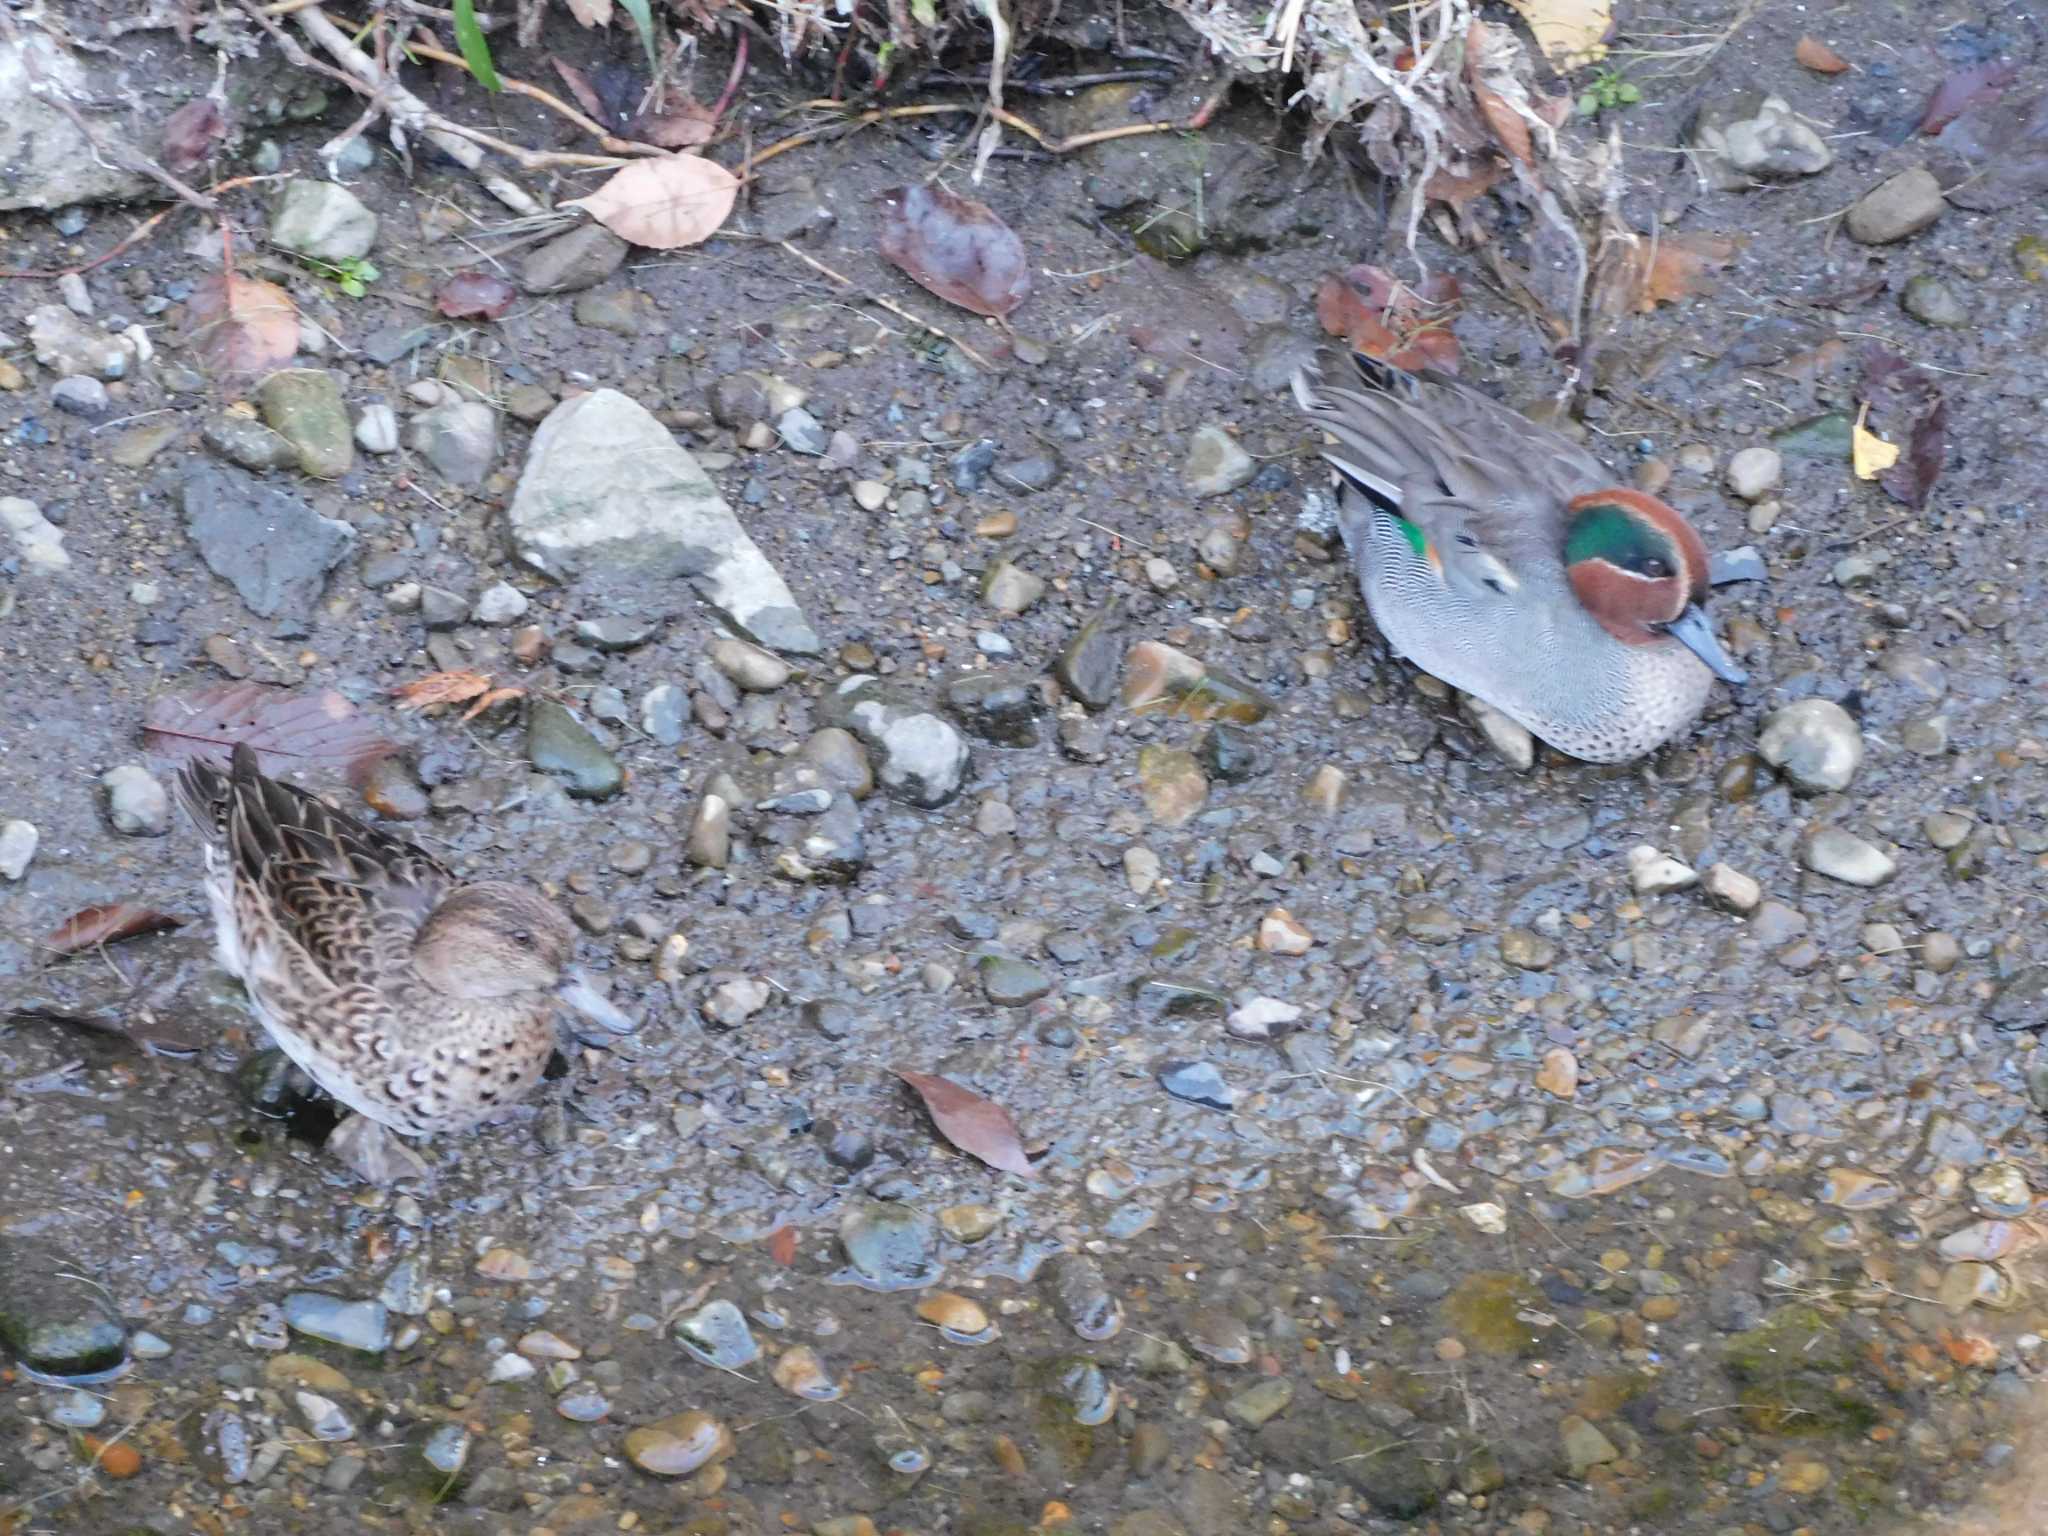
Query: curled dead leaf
{"points": [[1381, 316], [442, 688], [1817, 56], [1909, 406], [110, 924], [955, 247], [1636, 276], [978, 1126], [1506, 124], [191, 133], [664, 203]]}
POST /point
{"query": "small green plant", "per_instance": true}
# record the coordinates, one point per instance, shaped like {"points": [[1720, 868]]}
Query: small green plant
{"points": [[1609, 92], [353, 277]]}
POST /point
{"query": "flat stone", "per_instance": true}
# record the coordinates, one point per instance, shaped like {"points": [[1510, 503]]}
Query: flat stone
{"points": [[303, 406], [51, 160], [558, 743], [272, 548], [1846, 857], [39, 541], [323, 220], [248, 442], [609, 499], [582, 258], [1814, 743], [459, 438], [18, 841], [1216, 463], [1900, 206]]}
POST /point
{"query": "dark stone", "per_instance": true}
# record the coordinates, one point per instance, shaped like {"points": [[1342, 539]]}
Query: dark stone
{"points": [[1002, 707], [1197, 1082], [1089, 666], [272, 548], [1228, 754]]}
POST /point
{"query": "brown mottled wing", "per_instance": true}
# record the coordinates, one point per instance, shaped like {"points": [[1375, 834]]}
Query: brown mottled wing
{"points": [[350, 897]]}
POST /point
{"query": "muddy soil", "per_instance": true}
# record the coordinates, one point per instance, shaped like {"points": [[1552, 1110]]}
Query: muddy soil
{"points": [[1558, 1205]]}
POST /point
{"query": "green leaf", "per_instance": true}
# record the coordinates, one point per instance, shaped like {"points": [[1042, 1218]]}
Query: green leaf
{"points": [[643, 21], [1589, 104], [1629, 95], [926, 12], [353, 288], [476, 49]]}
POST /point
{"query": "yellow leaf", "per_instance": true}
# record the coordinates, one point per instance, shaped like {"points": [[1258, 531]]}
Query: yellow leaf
{"points": [[1870, 454], [1568, 31]]}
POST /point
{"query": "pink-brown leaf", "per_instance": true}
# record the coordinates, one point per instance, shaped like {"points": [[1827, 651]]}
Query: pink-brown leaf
{"points": [[107, 925], [978, 1126], [664, 204], [1907, 407], [473, 295], [957, 248], [684, 125], [288, 728], [191, 133], [241, 327], [1963, 90]]}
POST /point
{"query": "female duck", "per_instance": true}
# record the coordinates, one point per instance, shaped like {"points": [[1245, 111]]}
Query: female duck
{"points": [[1499, 556], [422, 1003]]}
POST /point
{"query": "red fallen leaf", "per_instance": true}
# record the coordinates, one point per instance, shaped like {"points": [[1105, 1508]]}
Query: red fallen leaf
{"points": [[1995, 154], [242, 327], [1961, 91], [1379, 315], [1906, 407], [1817, 56], [472, 295], [288, 729], [781, 1245], [978, 1126], [955, 247], [191, 132], [107, 925]]}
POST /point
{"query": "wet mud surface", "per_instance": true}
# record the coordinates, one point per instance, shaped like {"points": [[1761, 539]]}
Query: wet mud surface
{"points": [[1402, 1158]]}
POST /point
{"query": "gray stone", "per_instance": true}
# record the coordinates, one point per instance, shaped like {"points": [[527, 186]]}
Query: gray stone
{"points": [[609, 498], [750, 668], [801, 433], [246, 441], [1011, 983], [1903, 205], [53, 1320], [322, 220], [459, 438], [582, 258], [500, 603], [80, 395], [2021, 1001], [1091, 663], [1815, 743], [1931, 301], [136, 803], [274, 549], [558, 743], [40, 541], [46, 159], [1010, 589], [1216, 463], [442, 609], [663, 709], [1731, 890], [1846, 857], [1750, 136]]}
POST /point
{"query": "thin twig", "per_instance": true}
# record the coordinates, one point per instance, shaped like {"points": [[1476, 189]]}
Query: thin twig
{"points": [[139, 232]]}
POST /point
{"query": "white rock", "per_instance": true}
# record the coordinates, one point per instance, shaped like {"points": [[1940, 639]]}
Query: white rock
{"points": [[499, 604], [1216, 463], [1486, 1216], [1755, 473], [40, 541], [377, 429], [1262, 1018], [18, 840], [1652, 873], [136, 803], [324, 1417], [1846, 857], [1731, 889], [610, 498], [1813, 742], [869, 495], [324, 221], [1141, 870], [1517, 748]]}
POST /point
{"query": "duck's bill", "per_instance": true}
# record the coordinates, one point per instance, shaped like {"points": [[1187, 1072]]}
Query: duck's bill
{"points": [[593, 1005], [1692, 630]]}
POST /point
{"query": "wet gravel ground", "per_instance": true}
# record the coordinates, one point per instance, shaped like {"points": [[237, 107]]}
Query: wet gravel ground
{"points": [[1413, 1150]]}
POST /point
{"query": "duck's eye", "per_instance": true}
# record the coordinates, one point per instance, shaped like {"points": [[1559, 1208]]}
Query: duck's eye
{"points": [[1654, 568], [1497, 585], [521, 936]]}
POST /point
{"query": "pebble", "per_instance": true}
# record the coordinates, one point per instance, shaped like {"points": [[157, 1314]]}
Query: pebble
{"points": [[891, 1247], [1161, 575], [1527, 950], [870, 495], [358, 1325], [1840, 855], [1089, 664], [709, 844], [1172, 784], [717, 1334], [969, 1223], [919, 758], [1903, 205], [1010, 589], [558, 743], [1652, 873], [18, 840], [1264, 1400], [323, 220], [1216, 463], [81, 395], [304, 407], [1197, 1082], [1141, 870], [40, 541], [663, 708], [958, 1317], [801, 433], [376, 428], [1081, 1297], [1262, 1018], [1814, 743], [459, 438], [499, 604], [749, 666], [800, 1373], [1012, 983], [730, 1003], [1280, 934], [1731, 890], [136, 803], [1931, 301], [1508, 738], [1754, 473], [1559, 1073]]}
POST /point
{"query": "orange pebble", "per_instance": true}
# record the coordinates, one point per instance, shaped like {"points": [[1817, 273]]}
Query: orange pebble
{"points": [[117, 1458]]}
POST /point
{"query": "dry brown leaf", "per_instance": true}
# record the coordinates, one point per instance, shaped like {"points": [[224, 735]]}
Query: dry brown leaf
{"points": [[1818, 56], [592, 13], [289, 728], [1664, 270], [1506, 124], [685, 125], [242, 327], [972, 1123], [955, 247], [664, 204], [495, 696], [441, 688], [1568, 31]]}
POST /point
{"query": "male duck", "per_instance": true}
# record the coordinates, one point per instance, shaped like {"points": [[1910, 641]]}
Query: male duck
{"points": [[1501, 557], [419, 1001]]}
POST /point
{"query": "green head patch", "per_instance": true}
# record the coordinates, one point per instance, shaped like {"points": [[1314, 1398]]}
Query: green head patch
{"points": [[1621, 537]]}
